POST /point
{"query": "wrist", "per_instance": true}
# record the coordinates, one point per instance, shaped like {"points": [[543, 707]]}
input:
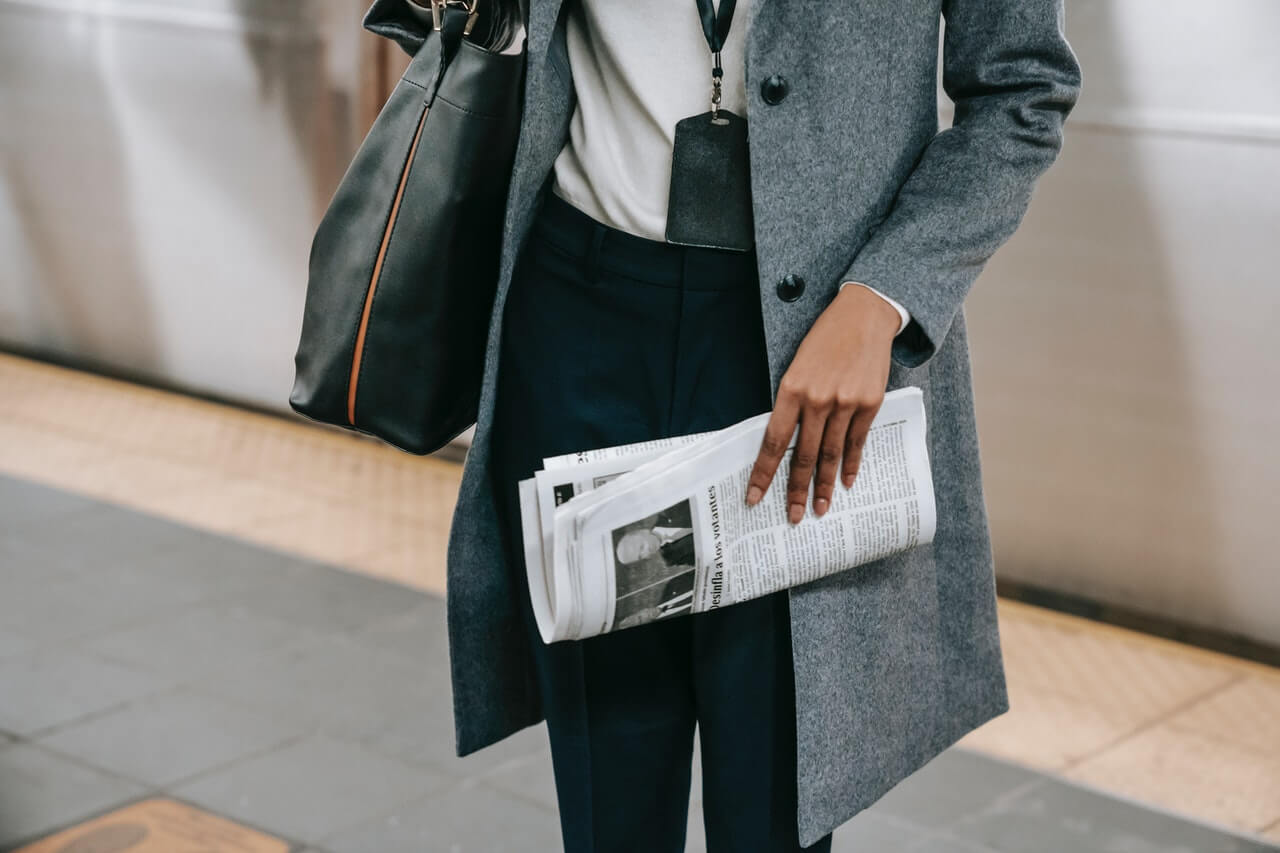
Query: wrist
{"points": [[866, 303]]}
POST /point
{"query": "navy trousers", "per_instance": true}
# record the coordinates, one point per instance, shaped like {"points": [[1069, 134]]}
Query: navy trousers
{"points": [[611, 338]]}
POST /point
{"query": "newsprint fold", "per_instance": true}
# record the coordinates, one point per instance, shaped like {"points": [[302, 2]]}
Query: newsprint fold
{"points": [[626, 535]]}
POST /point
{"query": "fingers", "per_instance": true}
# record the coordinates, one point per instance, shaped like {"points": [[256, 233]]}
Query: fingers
{"points": [[777, 437], [833, 432], [829, 456], [857, 439], [813, 422]]}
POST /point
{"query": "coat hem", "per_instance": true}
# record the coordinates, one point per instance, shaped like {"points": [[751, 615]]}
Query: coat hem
{"points": [[468, 741], [813, 827]]}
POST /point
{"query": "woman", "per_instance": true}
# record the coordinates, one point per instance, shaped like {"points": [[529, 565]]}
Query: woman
{"points": [[866, 227]]}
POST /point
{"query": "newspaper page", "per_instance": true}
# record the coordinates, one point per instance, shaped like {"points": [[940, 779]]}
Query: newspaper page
{"points": [[623, 536], [630, 454], [561, 478]]}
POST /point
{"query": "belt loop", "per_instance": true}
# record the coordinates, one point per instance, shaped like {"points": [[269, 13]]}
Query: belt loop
{"points": [[598, 230]]}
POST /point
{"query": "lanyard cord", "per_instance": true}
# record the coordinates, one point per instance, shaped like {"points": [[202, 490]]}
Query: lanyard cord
{"points": [[715, 26]]}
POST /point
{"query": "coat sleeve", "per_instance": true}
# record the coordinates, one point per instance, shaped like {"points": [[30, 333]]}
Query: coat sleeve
{"points": [[1013, 77]]}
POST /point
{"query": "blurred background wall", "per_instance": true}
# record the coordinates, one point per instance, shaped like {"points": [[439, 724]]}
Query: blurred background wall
{"points": [[162, 167], [163, 164], [1126, 377]]}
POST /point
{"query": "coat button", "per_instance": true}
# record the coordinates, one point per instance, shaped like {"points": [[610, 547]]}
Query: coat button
{"points": [[790, 287], [774, 89]]}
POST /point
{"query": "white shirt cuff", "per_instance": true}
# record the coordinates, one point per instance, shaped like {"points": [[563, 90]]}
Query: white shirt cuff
{"points": [[902, 312]]}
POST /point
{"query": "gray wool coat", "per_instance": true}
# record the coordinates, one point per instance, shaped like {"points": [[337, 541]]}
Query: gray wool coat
{"points": [[850, 180]]}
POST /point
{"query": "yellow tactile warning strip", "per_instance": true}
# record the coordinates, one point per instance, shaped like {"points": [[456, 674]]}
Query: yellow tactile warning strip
{"points": [[296, 486], [158, 826], [1191, 731], [1178, 727]]}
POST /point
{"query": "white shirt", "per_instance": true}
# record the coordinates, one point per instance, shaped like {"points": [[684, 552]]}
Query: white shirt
{"points": [[638, 68]]}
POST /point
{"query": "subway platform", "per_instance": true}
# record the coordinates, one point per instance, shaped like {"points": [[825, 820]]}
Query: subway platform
{"points": [[224, 631]]}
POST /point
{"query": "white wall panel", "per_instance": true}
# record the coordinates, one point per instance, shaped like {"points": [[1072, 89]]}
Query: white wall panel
{"points": [[1124, 339], [162, 166]]}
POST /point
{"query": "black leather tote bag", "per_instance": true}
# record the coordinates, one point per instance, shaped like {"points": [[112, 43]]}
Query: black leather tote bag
{"points": [[403, 266]]}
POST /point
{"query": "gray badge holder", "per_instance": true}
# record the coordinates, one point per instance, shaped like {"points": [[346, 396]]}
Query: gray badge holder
{"points": [[709, 202]]}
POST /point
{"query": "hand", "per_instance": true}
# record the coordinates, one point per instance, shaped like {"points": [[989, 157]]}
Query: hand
{"points": [[833, 389]]}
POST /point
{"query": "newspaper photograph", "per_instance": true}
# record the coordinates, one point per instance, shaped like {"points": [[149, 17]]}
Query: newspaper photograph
{"points": [[622, 536], [655, 563]]}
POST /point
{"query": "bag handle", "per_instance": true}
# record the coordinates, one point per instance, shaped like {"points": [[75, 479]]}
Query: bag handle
{"points": [[453, 20], [438, 8]]}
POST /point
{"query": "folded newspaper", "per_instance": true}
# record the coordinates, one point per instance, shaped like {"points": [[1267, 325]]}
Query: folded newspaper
{"points": [[625, 535]]}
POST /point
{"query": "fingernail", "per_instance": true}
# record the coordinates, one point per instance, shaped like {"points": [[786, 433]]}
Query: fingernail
{"points": [[795, 513], [820, 506], [753, 495], [847, 479]]}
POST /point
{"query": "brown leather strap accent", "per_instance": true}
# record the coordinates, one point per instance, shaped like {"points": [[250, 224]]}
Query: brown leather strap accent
{"points": [[354, 379]]}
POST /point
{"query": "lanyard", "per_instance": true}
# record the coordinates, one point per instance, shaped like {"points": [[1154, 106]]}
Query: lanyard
{"points": [[715, 26]]}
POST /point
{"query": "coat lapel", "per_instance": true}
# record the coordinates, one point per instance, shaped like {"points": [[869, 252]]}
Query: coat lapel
{"points": [[542, 22], [544, 128], [548, 105]]}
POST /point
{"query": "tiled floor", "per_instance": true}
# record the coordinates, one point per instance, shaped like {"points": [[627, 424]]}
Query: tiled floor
{"points": [[256, 700], [139, 656]]}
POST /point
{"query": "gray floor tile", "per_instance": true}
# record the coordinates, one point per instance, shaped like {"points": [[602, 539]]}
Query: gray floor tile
{"points": [[56, 686], [531, 778], [336, 685], [419, 633], [429, 739], [310, 789], [872, 832], [954, 785], [230, 569], [24, 570], [467, 818], [42, 791], [12, 645], [169, 737], [695, 834], [20, 565], [1056, 817], [23, 502], [101, 535], [173, 564], [82, 604], [948, 844], [191, 642], [327, 599]]}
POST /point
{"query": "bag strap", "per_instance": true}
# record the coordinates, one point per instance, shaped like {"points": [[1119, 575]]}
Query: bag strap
{"points": [[454, 22]]}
